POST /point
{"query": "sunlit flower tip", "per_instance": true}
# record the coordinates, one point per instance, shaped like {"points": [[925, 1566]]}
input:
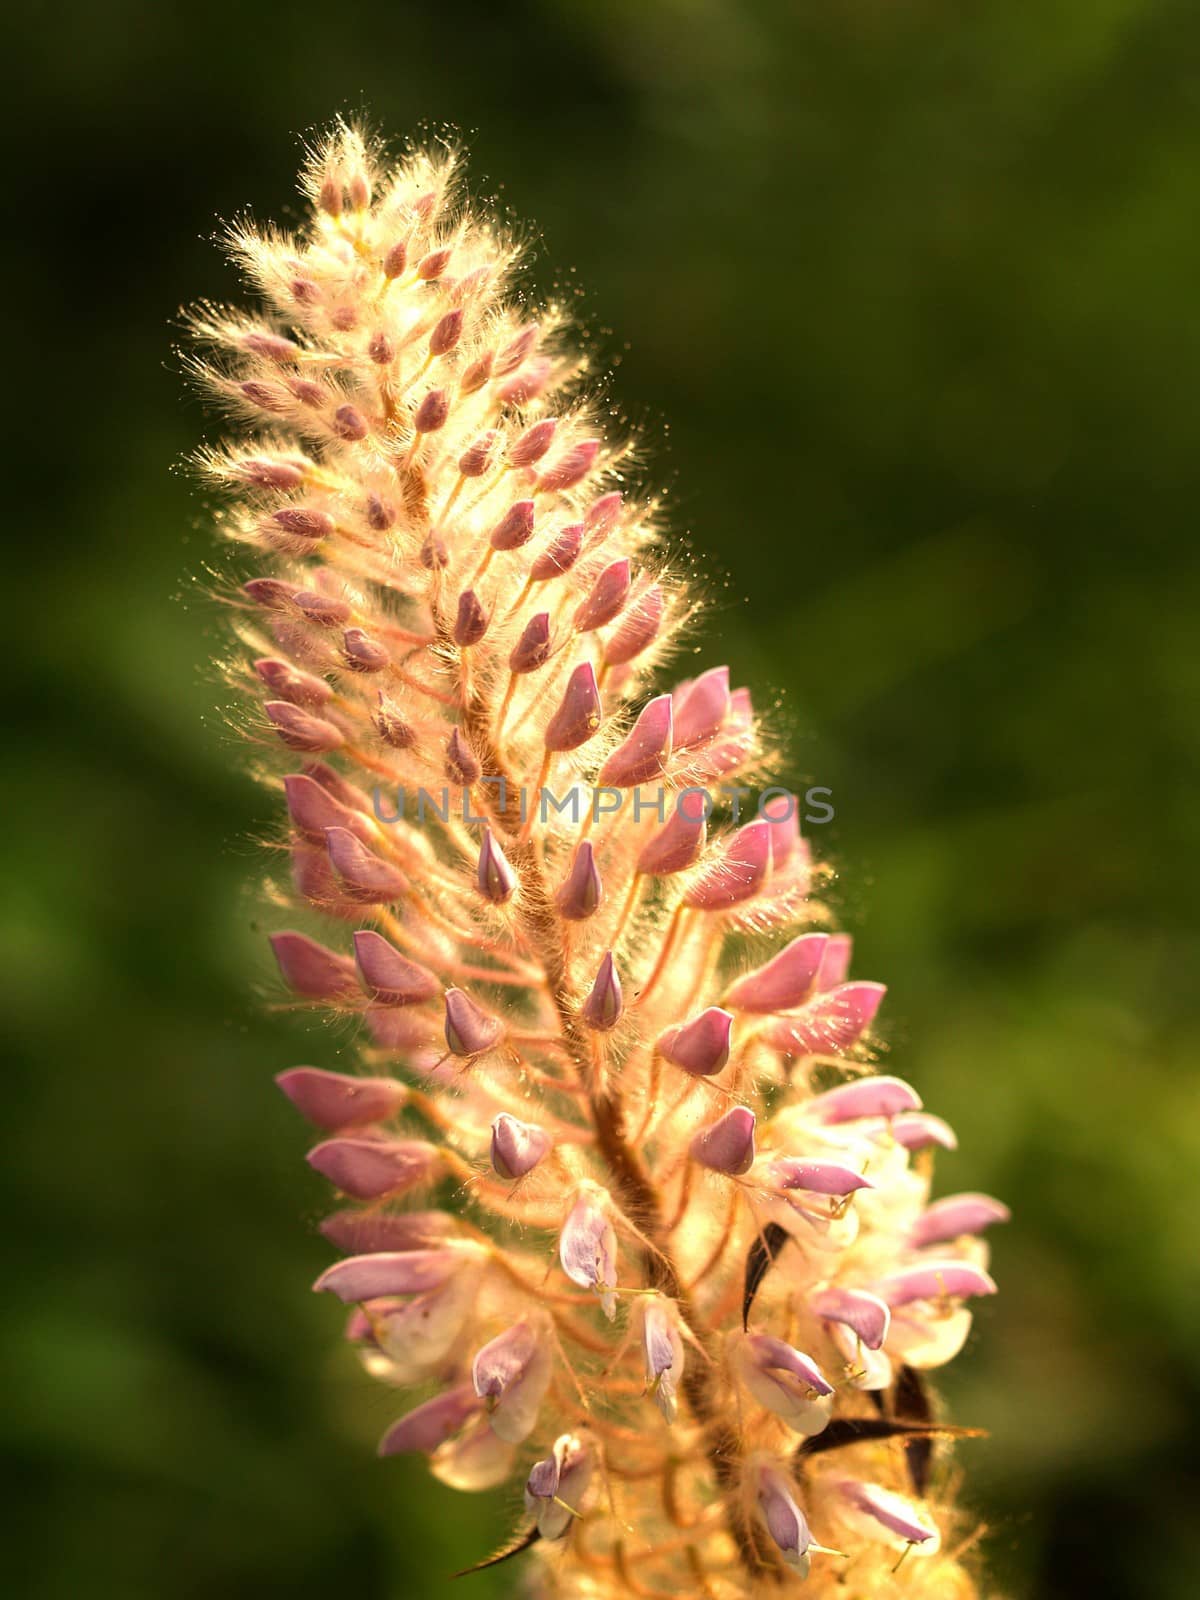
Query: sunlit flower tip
{"points": [[389, 1272], [937, 1280], [533, 443], [578, 714], [784, 1520], [431, 414], [662, 1350], [917, 1130], [477, 457], [290, 683], [273, 594], [605, 1003], [587, 1246], [556, 1485], [831, 1022], [637, 629], [702, 707], [462, 764], [333, 1100], [511, 1375], [360, 1232], [469, 1029], [311, 970], [878, 1513], [471, 620], [790, 1173], [363, 876], [516, 350], [272, 472], [700, 1046], [525, 385], [864, 1097], [434, 555], [677, 845], [785, 981], [835, 962], [738, 873], [446, 333], [517, 1147], [361, 653], [582, 891], [432, 265], [958, 1215], [494, 876], [370, 1169], [608, 594], [866, 1315], [646, 750], [571, 467], [515, 527], [431, 1424], [786, 1381], [602, 516], [532, 649], [559, 556], [300, 730], [388, 976], [727, 1145]]}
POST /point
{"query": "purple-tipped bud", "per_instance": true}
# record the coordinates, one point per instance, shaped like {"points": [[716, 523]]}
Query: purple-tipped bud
{"points": [[431, 1424], [361, 653], [515, 527], [370, 1169], [741, 870], [433, 265], [571, 467], [388, 976], [303, 522], [272, 472], [431, 414], [604, 1005], [727, 1145], [578, 714], [511, 1375], [832, 1022], [956, 1216], [700, 1046], [582, 891], [477, 374], [515, 351], [527, 384], [918, 1130], [350, 424], [471, 621], [517, 1147], [875, 1512], [396, 259], [372, 1277], [866, 1315], [462, 765], [391, 726], [362, 875], [532, 649], [864, 1097], [494, 876], [333, 1101], [381, 350], [447, 333], [322, 609], [609, 593], [433, 555], [645, 752], [273, 594], [289, 683], [381, 514], [313, 809], [637, 629], [792, 1173], [559, 556], [477, 457], [470, 1030], [556, 1485], [784, 1519], [602, 516], [300, 730], [266, 396], [311, 970], [786, 1381], [785, 981], [533, 443], [587, 1246], [938, 1280], [677, 846]]}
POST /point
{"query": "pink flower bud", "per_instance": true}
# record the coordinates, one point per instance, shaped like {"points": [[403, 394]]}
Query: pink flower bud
{"points": [[677, 846], [517, 1147], [477, 374], [370, 1169], [515, 527], [700, 1046], [604, 1005], [578, 714], [609, 593], [587, 1246], [863, 1097], [477, 457], [381, 350], [372, 1277], [875, 1512], [570, 467], [313, 809], [831, 1023], [533, 443], [433, 265], [396, 259], [741, 870], [431, 1424], [300, 730], [331, 1100], [470, 1030], [362, 875], [311, 970], [917, 1130], [511, 1375], [494, 876], [388, 976], [785, 981], [958, 1215], [392, 728], [304, 522], [791, 1173], [263, 395], [559, 556], [431, 414], [289, 683], [447, 333], [532, 649], [637, 629], [381, 514], [866, 1315], [462, 765], [581, 892], [369, 1232], [556, 1485], [433, 555], [361, 653], [646, 750], [702, 707], [784, 1520], [272, 472], [727, 1145], [322, 609], [515, 351], [602, 516], [937, 1280], [835, 963], [273, 594], [527, 384], [350, 424]]}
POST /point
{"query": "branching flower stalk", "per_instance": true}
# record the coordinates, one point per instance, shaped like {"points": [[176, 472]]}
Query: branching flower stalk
{"points": [[621, 1199]]}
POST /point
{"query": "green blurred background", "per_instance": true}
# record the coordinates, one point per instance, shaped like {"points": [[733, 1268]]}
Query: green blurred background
{"points": [[916, 286]]}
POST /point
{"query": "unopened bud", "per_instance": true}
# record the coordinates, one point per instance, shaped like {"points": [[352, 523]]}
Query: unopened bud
{"points": [[515, 527], [582, 890], [570, 468], [431, 414], [349, 423], [447, 333], [469, 1029], [389, 977], [700, 1046], [604, 1005], [471, 621], [533, 443], [396, 259], [462, 764], [637, 629], [495, 877], [433, 265], [532, 649], [289, 683], [609, 594], [477, 457], [311, 970], [300, 730], [579, 712], [361, 653], [517, 1147], [560, 555]]}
